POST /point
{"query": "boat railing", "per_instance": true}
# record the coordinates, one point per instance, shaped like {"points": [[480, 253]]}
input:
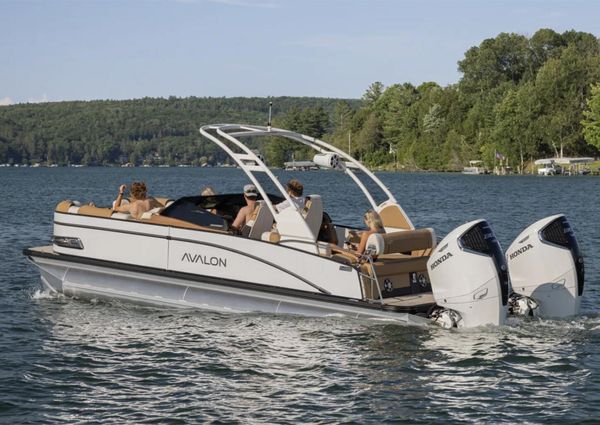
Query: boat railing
{"points": [[372, 277]]}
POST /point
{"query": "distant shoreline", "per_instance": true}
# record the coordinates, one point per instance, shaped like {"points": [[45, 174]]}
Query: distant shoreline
{"points": [[594, 172]]}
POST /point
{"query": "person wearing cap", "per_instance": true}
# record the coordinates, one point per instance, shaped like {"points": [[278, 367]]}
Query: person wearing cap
{"points": [[294, 189], [250, 195]]}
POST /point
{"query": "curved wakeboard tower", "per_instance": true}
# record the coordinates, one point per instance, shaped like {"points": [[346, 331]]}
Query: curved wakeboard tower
{"points": [[328, 156]]}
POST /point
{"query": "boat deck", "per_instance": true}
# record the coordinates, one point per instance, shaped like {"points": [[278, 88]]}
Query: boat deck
{"points": [[410, 300], [413, 303]]}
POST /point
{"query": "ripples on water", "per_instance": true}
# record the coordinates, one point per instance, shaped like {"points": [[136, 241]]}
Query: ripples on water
{"points": [[71, 361]]}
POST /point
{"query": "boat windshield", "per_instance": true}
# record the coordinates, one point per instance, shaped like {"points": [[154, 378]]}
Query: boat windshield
{"points": [[216, 211]]}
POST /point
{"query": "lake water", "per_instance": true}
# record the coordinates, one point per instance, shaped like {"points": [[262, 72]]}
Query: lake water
{"points": [[70, 361]]}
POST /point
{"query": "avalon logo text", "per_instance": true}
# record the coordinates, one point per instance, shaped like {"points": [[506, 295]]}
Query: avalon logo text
{"points": [[203, 259]]}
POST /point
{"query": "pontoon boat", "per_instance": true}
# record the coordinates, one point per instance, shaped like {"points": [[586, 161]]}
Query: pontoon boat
{"points": [[295, 261], [475, 167]]}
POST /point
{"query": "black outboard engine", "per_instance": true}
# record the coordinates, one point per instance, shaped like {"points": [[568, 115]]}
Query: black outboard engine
{"points": [[546, 270]]}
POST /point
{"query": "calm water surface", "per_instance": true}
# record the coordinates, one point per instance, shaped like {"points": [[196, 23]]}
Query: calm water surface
{"points": [[69, 361]]}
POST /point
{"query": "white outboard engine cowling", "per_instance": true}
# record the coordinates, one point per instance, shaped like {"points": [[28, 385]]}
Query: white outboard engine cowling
{"points": [[468, 276], [545, 263]]}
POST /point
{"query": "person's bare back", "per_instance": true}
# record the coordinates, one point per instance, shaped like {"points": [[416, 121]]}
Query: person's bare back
{"points": [[140, 203], [139, 207]]}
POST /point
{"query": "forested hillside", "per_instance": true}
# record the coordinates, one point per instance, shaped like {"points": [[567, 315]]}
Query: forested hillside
{"points": [[153, 131], [519, 98]]}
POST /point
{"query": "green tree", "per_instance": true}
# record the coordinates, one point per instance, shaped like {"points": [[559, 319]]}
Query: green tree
{"points": [[373, 93], [544, 44], [591, 123], [516, 132], [496, 60], [369, 138], [561, 87]]}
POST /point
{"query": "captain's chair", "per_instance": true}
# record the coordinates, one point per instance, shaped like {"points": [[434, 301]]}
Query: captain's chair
{"points": [[313, 213], [261, 221]]}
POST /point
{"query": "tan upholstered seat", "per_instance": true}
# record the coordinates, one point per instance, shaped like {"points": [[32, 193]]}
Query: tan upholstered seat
{"points": [[393, 217], [402, 256], [88, 210], [95, 211], [121, 216], [398, 265], [344, 256], [175, 222], [395, 270], [63, 206], [417, 242]]}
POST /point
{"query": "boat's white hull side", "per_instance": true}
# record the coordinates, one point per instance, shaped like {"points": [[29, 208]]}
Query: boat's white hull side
{"points": [[88, 281], [473, 170], [206, 253]]}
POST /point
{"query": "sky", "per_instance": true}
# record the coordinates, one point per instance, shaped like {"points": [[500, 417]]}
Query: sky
{"points": [[54, 50]]}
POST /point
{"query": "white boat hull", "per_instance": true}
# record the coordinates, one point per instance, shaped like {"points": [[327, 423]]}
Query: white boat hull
{"points": [[75, 278]]}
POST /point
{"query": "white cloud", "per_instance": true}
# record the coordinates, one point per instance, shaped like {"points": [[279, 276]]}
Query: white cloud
{"points": [[5, 101], [42, 99]]}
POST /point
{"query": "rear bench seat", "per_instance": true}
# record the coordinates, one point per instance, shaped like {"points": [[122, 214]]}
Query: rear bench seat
{"points": [[399, 254], [152, 216], [404, 259], [416, 243]]}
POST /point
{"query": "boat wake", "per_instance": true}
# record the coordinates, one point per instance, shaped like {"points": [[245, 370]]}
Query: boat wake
{"points": [[44, 294]]}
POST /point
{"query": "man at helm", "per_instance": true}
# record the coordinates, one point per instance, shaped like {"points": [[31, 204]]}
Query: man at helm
{"points": [[245, 213]]}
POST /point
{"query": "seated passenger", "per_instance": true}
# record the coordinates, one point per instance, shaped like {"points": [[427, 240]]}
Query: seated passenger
{"points": [[294, 189], [140, 202], [208, 191], [327, 230], [245, 213], [374, 224]]}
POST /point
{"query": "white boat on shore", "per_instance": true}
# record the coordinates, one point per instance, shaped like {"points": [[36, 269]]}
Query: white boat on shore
{"points": [[184, 255], [475, 167], [547, 167], [563, 165]]}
